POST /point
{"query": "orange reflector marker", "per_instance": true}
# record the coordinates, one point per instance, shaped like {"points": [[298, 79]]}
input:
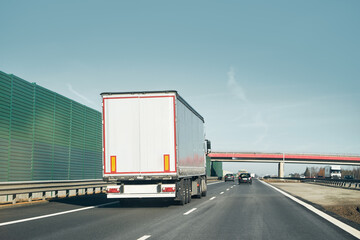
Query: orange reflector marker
{"points": [[167, 163], [113, 164]]}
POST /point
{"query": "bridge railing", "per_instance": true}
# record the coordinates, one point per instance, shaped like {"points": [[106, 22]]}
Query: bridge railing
{"points": [[29, 191]]}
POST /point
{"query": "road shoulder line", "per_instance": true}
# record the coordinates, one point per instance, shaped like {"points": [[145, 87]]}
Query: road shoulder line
{"points": [[327, 217]]}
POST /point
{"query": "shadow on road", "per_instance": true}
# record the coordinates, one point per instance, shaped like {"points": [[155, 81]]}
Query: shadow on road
{"points": [[142, 203], [99, 199]]}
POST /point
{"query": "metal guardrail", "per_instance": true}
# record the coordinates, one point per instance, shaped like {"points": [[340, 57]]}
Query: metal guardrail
{"points": [[343, 183], [29, 191]]}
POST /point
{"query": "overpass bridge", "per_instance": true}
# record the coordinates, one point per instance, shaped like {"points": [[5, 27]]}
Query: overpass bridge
{"points": [[282, 158]]}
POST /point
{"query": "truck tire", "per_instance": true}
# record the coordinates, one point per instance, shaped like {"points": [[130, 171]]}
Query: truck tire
{"points": [[181, 193], [189, 190], [200, 190], [186, 191], [204, 189]]}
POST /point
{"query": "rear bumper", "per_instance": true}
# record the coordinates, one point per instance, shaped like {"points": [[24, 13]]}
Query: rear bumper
{"points": [[139, 195], [245, 181], [141, 191]]}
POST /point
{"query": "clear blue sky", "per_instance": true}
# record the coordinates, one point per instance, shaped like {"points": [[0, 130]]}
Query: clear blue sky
{"points": [[273, 76]]}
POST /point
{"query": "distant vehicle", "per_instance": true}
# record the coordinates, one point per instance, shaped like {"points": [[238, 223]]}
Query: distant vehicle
{"points": [[302, 176], [245, 178], [349, 177], [229, 177], [333, 172]]}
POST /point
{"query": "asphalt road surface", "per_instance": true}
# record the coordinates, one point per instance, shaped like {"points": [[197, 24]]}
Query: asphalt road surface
{"points": [[229, 211]]}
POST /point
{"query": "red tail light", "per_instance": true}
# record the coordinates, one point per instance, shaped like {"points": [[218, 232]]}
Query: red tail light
{"points": [[113, 190], [168, 189]]}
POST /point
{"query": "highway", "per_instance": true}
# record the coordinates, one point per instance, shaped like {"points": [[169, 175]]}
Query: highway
{"points": [[229, 211]]}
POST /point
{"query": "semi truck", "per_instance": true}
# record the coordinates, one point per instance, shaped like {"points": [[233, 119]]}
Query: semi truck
{"points": [[153, 146], [333, 172]]}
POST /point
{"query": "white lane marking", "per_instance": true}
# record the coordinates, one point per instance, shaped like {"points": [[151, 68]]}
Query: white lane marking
{"points": [[212, 198], [221, 193], [232, 186], [213, 183], [144, 237], [327, 217], [228, 189], [54, 214], [190, 211]]}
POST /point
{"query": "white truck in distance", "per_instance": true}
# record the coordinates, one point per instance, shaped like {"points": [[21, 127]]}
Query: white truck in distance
{"points": [[153, 146], [333, 172]]}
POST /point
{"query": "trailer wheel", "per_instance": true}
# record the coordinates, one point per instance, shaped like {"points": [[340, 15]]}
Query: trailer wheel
{"points": [[200, 190], [204, 188], [189, 190], [181, 193], [186, 191]]}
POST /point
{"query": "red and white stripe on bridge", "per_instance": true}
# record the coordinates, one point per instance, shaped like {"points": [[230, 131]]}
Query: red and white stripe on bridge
{"points": [[284, 157]]}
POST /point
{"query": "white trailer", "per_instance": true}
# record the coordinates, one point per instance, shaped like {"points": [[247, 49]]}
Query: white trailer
{"points": [[333, 172], [153, 146]]}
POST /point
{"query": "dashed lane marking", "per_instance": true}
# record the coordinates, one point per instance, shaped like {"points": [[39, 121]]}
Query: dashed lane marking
{"points": [[212, 198], [190, 211], [144, 237], [221, 193], [213, 183]]}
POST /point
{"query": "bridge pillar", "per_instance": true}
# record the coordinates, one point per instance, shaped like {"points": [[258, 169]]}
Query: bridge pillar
{"points": [[281, 170]]}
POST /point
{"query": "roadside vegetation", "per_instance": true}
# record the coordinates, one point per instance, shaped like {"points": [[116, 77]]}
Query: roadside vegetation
{"points": [[316, 172]]}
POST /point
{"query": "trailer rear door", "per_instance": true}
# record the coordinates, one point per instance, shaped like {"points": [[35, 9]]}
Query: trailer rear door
{"points": [[139, 134]]}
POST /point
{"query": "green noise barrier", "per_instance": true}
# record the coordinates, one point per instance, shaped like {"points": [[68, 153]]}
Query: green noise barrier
{"points": [[45, 136]]}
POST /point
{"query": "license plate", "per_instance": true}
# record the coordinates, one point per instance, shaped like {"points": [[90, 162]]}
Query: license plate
{"points": [[244, 178]]}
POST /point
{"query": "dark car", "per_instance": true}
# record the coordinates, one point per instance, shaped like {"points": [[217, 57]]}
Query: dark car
{"points": [[349, 177], [229, 177], [245, 178]]}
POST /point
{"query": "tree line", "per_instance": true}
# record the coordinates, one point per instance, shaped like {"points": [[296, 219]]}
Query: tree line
{"points": [[312, 172]]}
